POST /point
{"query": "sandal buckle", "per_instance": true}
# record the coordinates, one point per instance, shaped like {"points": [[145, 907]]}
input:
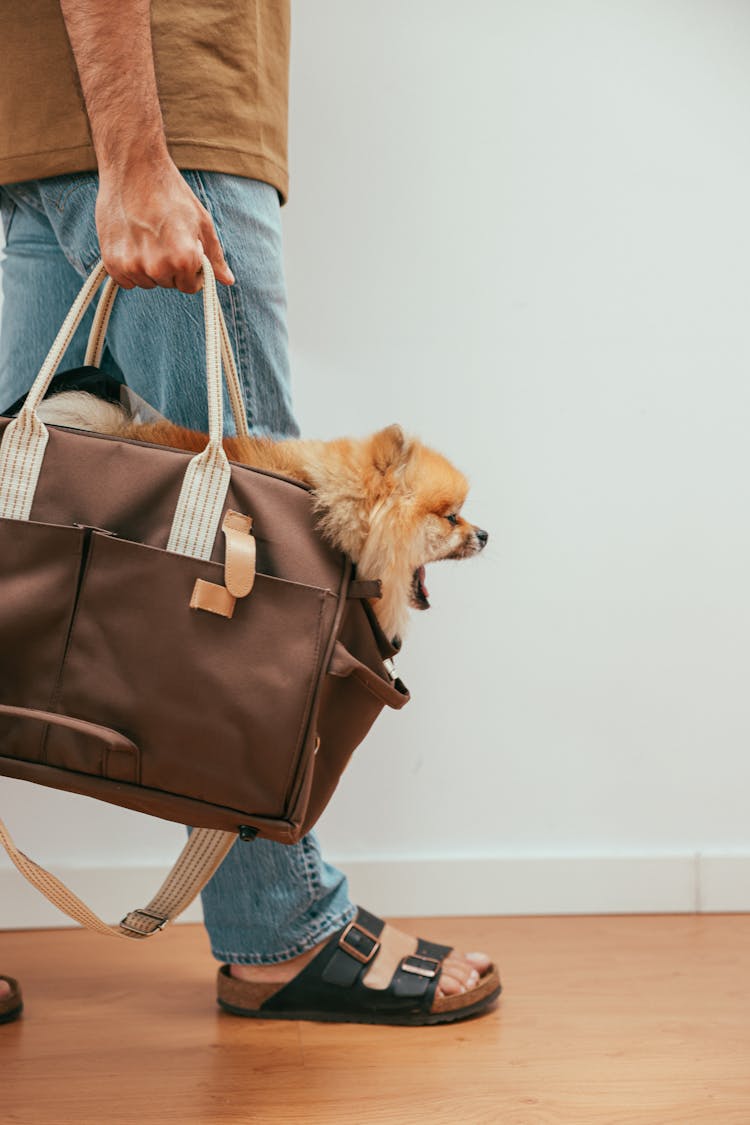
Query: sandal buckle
{"points": [[422, 969], [352, 946]]}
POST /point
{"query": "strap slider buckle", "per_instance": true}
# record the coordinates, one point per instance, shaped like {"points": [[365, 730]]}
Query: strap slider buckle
{"points": [[354, 941], [420, 966], [151, 924]]}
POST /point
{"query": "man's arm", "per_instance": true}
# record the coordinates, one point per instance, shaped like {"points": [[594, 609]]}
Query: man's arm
{"points": [[151, 227]]}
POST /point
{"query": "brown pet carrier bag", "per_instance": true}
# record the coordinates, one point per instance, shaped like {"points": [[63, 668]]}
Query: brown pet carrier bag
{"points": [[175, 635]]}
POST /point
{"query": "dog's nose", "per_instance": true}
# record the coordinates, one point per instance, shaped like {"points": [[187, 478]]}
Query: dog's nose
{"points": [[481, 535]]}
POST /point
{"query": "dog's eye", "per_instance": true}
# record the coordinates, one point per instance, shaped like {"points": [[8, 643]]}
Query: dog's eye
{"points": [[452, 519]]}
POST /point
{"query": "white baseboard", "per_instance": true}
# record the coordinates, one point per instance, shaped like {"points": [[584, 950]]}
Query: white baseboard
{"points": [[497, 886]]}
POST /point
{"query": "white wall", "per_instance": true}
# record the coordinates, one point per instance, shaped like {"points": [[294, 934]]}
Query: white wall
{"points": [[520, 228]]}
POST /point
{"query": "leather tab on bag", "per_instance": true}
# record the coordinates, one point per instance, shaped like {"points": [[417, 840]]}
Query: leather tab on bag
{"points": [[365, 588], [212, 598], [239, 566]]}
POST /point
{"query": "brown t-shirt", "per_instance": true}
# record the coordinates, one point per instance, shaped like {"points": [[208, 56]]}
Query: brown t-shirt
{"points": [[222, 69]]}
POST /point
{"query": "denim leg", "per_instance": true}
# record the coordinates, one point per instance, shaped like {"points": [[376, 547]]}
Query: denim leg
{"points": [[156, 337], [39, 285], [268, 902]]}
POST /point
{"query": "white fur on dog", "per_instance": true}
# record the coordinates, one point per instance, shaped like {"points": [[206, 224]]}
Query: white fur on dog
{"points": [[82, 411]]}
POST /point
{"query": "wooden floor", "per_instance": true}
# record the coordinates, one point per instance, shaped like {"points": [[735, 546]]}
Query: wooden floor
{"points": [[623, 1021]]}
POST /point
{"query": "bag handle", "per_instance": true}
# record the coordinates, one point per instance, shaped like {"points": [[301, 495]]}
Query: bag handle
{"points": [[97, 336], [206, 480], [195, 865], [199, 509], [343, 664], [113, 740]]}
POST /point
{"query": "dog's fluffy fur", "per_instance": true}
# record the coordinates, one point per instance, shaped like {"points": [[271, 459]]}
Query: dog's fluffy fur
{"points": [[388, 501]]}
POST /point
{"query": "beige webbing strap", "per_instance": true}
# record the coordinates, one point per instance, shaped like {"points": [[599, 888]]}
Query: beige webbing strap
{"points": [[25, 438], [232, 378], [95, 350], [197, 862], [205, 484], [100, 324]]}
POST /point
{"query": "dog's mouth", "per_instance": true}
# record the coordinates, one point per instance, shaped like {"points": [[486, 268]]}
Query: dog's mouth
{"points": [[419, 595]]}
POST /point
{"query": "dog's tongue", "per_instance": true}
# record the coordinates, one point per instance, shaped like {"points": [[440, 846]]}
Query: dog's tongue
{"points": [[421, 578]]}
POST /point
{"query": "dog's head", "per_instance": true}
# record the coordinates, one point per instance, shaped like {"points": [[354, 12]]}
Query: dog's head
{"points": [[394, 506]]}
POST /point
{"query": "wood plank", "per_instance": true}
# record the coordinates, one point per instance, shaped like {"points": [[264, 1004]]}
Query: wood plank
{"points": [[616, 1020]]}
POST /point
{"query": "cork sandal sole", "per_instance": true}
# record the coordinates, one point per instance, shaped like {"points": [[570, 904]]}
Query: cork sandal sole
{"points": [[445, 1009]]}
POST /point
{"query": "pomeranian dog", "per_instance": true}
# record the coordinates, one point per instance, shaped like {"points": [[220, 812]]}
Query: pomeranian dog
{"points": [[388, 501]]}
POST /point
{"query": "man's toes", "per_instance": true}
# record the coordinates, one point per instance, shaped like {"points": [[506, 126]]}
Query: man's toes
{"points": [[480, 961], [450, 985], [4, 989], [463, 969], [458, 975]]}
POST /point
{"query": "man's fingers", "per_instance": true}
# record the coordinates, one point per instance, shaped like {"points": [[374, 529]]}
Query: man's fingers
{"points": [[141, 280], [189, 279], [191, 284], [155, 234], [180, 269], [185, 266], [214, 253], [129, 276], [178, 265]]}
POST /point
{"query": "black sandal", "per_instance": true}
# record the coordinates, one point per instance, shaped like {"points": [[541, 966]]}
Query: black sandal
{"points": [[330, 987], [11, 1005]]}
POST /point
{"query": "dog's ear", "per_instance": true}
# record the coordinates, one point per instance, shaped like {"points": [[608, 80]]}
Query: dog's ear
{"points": [[390, 448]]}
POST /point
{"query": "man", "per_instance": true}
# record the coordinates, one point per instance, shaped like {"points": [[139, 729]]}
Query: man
{"points": [[182, 110]]}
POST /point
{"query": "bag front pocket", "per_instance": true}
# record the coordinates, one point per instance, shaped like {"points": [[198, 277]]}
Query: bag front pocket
{"points": [[218, 707], [40, 568]]}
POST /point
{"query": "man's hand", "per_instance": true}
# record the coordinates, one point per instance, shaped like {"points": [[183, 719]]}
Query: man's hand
{"points": [[152, 229]]}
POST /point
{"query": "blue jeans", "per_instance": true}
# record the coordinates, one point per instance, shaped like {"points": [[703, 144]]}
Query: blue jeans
{"points": [[268, 902]]}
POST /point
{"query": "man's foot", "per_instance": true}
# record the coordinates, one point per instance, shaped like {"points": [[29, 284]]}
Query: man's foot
{"points": [[461, 971], [367, 972], [4, 989]]}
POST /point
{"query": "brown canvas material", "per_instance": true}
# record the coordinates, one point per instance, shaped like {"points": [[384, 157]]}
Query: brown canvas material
{"points": [[184, 714], [222, 71]]}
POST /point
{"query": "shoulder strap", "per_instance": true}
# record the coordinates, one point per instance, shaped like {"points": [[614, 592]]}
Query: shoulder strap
{"points": [[195, 865]]}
